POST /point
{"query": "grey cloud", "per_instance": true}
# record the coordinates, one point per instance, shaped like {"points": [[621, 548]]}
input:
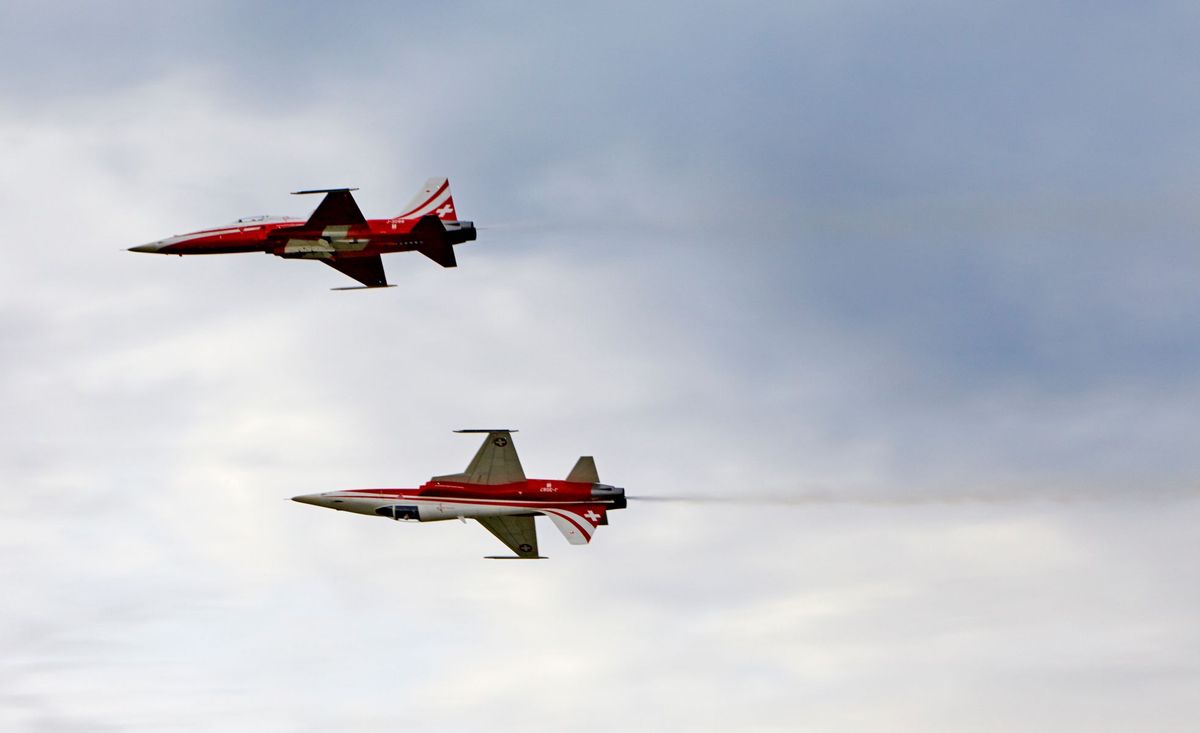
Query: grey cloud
{"points": [[923, 269]]}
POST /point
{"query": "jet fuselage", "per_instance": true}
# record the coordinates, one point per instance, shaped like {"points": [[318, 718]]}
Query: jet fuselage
{"points": [[439, 499], [288, 237], [338, 234], [495, 492]]}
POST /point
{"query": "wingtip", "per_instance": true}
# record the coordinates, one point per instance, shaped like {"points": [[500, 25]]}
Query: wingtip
{"points": [[365, 287]]}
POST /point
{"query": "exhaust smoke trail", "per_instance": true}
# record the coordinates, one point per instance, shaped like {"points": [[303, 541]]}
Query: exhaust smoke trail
{"points": [[930, 498]]}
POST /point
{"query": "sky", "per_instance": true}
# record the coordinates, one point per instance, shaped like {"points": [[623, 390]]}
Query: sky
{"points": [[903, 293]]}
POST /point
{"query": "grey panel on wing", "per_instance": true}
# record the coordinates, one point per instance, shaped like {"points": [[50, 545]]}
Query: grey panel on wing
{"points": [[496, 462], [518, 533]]}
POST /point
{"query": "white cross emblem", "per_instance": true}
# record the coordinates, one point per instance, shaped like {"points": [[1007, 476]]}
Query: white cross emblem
{"points": [[445, 211], [592, 515]]}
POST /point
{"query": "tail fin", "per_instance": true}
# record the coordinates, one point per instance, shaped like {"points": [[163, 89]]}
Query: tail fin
{"points": [[433, 198], [584, 471]]}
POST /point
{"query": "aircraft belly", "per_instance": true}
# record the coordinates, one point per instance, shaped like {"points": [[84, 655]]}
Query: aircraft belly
{"points": [[209, 250], [423, 509], [349, 245], [307, 249], [432, 510], [216, 247]]}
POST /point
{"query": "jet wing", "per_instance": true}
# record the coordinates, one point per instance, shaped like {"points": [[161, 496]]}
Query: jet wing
{"points": [[337, 209], [496, 462], [518, 533], [367, 270]]}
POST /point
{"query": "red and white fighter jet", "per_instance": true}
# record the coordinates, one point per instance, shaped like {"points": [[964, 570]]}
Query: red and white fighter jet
{"points": [[494, 492], [338, 234]]}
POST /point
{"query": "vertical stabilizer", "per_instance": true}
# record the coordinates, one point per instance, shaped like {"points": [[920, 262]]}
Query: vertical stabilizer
{"points": [[584, 471], [433, 199]]}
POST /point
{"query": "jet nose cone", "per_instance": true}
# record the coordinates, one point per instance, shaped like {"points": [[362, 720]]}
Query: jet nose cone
{"points": [[314, 499], [152, 247]]}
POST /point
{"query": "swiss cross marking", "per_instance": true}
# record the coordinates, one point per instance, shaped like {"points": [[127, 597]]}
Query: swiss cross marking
{"points": [[592, 515], [445, 211]]}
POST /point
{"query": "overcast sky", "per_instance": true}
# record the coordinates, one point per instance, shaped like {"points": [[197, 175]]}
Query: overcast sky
{"points": [[922, 275]]}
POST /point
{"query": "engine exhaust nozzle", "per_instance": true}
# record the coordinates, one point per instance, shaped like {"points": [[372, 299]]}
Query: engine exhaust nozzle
{"points": [[613, 495]]}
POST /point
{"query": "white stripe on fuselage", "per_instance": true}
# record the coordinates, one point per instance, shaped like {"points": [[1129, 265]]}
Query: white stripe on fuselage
{"points": [[449, 500], [437, 508], [199, 235], [178, 238]]}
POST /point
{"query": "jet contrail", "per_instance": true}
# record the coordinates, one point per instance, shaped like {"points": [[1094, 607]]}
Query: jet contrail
{"points": [[757, 500], [927, 499]]}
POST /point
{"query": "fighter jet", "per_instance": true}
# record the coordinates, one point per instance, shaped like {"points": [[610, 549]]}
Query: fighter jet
{"points": [[494, 492], [338, 234]]}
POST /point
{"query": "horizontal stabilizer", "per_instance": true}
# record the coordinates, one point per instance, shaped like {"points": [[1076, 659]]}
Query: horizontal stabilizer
{"points": [[434, 243], [584, 471], [578, 522]]}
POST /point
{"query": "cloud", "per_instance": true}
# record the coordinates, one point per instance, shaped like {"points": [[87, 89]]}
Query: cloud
{"points": [[920, 277]]}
